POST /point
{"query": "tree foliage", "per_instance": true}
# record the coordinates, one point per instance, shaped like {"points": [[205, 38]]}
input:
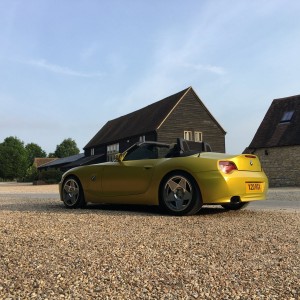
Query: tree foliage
{"points": [[13, 159], [31, 174], [33, 151], [16, 160], [67, 148], [50, 176]]}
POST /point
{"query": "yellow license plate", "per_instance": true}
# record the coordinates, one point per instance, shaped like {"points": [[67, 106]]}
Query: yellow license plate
{"points": [[254, 187]]}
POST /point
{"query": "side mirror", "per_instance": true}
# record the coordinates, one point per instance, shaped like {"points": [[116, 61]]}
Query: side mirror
{"points": [[119, 157]]}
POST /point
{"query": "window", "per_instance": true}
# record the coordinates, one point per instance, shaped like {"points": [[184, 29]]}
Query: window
{"points": [[287, 116], [142, 138], [198, 136], [188, 135], [112, 150], [93, 151]]}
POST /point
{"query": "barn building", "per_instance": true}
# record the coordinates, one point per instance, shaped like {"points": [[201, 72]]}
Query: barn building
{"points": [[180, 115], [277, 142]]}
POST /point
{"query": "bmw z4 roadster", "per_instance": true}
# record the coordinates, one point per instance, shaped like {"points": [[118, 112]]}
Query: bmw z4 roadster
{"points": [[174, 177]]}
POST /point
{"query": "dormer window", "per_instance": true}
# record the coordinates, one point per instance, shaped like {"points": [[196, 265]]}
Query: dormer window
{"points": [[287, 116]]}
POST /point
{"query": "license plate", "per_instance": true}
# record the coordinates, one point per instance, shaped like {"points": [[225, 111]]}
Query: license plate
{"points": [[254, 187]]}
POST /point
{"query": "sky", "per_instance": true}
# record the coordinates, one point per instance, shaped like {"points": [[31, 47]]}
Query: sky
{"points": [[69, 66]]}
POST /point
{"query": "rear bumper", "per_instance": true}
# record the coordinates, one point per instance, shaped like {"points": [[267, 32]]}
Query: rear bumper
{"points": [[219, 188]]}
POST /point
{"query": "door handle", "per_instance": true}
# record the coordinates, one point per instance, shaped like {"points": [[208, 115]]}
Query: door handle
{"points": [[147, 167]]}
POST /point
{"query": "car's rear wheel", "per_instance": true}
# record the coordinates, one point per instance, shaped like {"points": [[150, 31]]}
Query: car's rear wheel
{"points": [[179, 194], [235, 206], [72, 193]]}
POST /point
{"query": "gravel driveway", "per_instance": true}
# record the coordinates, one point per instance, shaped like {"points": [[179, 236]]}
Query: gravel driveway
{"points": [[130, 252]]}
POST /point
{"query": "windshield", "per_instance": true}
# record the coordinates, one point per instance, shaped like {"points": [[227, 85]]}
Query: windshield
{"points": [[147, 151]]}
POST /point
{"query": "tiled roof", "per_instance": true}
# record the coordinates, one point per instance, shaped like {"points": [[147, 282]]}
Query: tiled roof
{"points": [[280, 126], [39, 161], [139, 122], [86, 160], [62, 161]]}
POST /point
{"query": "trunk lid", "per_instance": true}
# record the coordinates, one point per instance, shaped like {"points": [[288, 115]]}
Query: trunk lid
{"points": [[243, 162], [247, 162]]}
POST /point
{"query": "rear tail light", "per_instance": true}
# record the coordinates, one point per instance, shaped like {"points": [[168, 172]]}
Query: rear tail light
{"points": [[227, 166]]}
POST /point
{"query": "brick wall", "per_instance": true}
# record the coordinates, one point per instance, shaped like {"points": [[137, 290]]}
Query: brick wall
{"points": [[281, 165]]}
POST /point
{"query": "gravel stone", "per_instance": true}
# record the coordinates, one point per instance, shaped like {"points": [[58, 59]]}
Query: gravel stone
{"points": [[121, 252]]}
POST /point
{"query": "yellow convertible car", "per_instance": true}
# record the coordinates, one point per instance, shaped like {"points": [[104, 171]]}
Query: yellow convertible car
{"points": [[174, 177]]}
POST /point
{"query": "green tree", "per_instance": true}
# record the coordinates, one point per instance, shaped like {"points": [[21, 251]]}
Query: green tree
{"points": [[31, 174], [50, 176], [33, 151], [13, 159], [67, 148]]}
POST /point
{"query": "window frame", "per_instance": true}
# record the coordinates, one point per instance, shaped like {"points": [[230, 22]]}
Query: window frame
{"points": [[200, 136], [287, 116], [111, 151], [189, 134]]}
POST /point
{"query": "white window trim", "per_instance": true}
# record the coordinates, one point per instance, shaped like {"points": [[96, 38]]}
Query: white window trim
{"points": [[111, 151], [92, 151], [198, 136], [188, 135]]}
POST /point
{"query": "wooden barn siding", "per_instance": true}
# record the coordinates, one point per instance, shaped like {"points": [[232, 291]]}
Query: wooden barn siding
{"points": [[123, 143], [191, 115], [87, 152], [97, 150]]}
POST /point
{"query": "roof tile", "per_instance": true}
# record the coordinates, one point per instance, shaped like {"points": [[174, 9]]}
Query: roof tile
{"points": [[273, 132], [139, 122]]}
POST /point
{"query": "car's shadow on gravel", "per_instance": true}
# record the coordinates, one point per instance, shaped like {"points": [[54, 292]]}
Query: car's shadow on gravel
{"points": [[144, 209], [56, 206]]}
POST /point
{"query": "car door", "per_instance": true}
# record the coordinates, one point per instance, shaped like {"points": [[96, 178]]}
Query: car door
{"points": [[134, 173], [127, 177]]}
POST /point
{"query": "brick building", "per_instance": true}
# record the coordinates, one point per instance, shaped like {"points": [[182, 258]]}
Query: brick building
{"points": [[277, 142]]}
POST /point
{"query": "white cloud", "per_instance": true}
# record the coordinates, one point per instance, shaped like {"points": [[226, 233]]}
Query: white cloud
{"points": [[207, 68], [43, 64], [175, 65]]}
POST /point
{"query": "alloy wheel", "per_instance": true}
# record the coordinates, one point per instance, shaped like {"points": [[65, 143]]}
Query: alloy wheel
{"points": [[178, 193]]}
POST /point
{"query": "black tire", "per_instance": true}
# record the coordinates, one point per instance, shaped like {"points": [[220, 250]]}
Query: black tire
{"points": [[72, 193], [179, 194], [235, 206]]}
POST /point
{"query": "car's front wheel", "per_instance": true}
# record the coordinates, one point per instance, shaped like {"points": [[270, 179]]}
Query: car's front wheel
{"points": [[72, 193], [179, 194]]}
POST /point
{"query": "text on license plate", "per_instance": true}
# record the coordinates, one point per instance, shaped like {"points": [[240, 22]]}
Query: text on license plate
{"points": [[254, 187]]}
